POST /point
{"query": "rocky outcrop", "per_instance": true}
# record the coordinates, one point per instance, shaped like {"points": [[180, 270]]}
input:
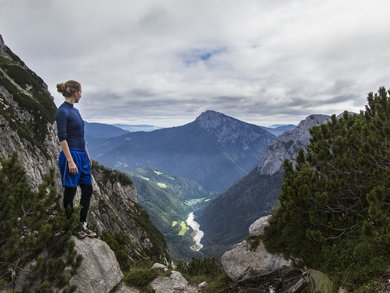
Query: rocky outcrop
{"points": [[35, 162], [175, 283], [243, 261], [24, 127], [114, 208], [288, 144], [99, 271]]}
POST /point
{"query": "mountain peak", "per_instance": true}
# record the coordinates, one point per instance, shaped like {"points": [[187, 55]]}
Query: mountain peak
{"points": [[287, 145], [212, 119], [210, 114], [312, 120]]}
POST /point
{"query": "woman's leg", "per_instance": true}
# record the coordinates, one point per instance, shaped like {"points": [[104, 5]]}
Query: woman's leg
{"points": [[69, 193], [86, 194]]}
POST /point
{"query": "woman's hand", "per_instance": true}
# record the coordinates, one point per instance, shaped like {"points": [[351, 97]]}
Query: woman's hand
{"points": [[72, 167]]}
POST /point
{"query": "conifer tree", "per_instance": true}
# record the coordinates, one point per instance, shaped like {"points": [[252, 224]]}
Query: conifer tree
{"points": [[33, 229], [334, 210]]}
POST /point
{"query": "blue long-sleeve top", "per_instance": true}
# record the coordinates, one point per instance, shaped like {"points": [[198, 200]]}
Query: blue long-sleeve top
{"points": [[70, 126]]}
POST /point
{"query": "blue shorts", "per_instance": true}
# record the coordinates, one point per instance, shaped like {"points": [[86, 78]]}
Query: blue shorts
{"points": [[83, 176]]}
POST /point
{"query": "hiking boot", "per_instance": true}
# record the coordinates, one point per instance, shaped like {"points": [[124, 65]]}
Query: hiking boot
{"points": [[87, 231], [81, 234]]}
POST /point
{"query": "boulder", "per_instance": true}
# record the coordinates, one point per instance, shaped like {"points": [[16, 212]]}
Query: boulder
{"points": [[242, 262], [174, 284], [99, 271], [257, 228]]}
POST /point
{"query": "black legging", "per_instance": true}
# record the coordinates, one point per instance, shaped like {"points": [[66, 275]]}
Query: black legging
{"points": [[86, 194]]}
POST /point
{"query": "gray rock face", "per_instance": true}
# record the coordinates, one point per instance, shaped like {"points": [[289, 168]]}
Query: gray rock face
{"points": [[176, 283], [242, 262], [288, 144], [35, 162], [96, 273], [113, 208]]}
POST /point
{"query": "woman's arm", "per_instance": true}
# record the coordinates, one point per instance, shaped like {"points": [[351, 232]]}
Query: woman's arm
{"points": [[71, 164], [90, 160]]}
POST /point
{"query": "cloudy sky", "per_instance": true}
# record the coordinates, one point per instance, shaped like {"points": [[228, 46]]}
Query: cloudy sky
{"points": [[163, 62]]}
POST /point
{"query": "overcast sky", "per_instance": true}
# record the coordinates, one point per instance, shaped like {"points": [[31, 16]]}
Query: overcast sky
{"points": [[163, 62]]}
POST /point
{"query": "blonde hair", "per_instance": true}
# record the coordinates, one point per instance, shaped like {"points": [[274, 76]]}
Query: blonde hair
{"points": [[68, 88]]}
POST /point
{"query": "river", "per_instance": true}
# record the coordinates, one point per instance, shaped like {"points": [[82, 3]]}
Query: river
{"points": [[198, 233]]}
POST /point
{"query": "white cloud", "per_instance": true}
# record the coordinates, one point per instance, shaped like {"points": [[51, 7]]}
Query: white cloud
{"points": [[165, 61]]}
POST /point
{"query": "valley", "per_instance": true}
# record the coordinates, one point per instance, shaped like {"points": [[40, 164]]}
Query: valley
{"points": [[196, 218], [179, 171]]}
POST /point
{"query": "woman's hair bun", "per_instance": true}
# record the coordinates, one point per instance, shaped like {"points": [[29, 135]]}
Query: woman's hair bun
{"points": [[61, 87], [69, 88]]}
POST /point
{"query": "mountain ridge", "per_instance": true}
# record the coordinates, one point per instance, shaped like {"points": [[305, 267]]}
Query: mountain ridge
{"points": [[136, 127], [208, 150], [288, 144], [101, 130]]}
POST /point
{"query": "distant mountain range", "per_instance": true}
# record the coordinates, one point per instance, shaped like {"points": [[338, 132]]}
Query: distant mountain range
{"points": [[100, 130], [279, 129], [215, 150], [135, 128], [226, 219]]}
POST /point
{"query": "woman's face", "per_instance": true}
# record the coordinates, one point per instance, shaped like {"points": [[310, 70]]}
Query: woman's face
{"points": [[78, 96]]}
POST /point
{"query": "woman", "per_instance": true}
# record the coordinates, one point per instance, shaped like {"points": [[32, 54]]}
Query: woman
{"points": [[73, 160]]}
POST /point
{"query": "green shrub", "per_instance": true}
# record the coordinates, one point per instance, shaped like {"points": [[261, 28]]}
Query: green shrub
{"points": [[119, 242], [204, 270], [334, 206], [33, 227], [200, 266], [140, 277]]}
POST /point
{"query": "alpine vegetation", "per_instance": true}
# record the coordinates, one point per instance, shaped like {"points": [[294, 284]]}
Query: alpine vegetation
{"points": [[335, 203], [31, 228]]}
